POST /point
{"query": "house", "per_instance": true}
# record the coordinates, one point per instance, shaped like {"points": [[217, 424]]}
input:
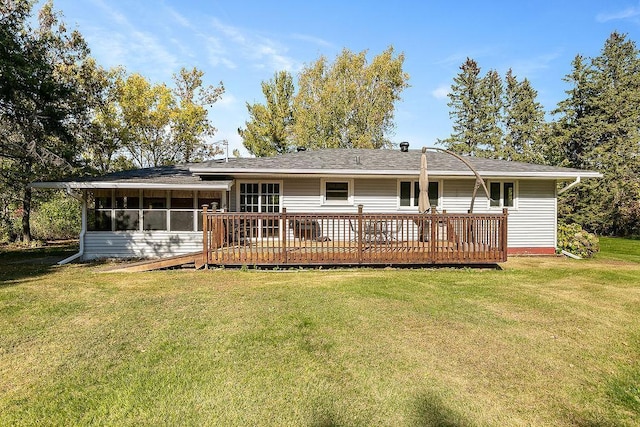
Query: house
{"points": [[158, 212]]}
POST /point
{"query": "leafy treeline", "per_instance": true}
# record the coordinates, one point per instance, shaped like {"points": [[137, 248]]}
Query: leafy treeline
{"points": [[63, 114], [348, 103], [596, 127]]}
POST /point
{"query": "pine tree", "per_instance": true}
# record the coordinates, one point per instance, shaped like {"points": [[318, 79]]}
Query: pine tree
{"points": [[490, 114], [523, 121], [465, 100], [598, 129]]}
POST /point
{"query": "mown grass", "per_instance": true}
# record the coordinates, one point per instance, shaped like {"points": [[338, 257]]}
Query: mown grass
{"points": [[545, 341]]}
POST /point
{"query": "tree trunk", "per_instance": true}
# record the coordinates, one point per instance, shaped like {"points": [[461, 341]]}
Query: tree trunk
{"points": [[26, 214]]}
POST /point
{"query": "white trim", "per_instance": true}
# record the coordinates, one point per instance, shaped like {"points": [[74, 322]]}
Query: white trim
{"points": [[259, 182], [373, 172], [323, 193], [207, 185]]}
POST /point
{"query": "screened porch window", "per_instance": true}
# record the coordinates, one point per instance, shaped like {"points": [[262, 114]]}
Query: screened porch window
{"points": [[149, 210]]}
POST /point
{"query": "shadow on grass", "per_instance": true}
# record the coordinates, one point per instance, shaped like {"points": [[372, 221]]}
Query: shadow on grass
{"points": [[431, 411], [19, 263]]}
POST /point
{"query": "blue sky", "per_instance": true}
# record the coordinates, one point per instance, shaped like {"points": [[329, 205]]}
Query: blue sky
{"points": [[242, 43]]}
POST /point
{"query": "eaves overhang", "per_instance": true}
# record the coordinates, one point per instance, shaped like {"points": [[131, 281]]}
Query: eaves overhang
{"points": [[88, 185], [246, 172]]}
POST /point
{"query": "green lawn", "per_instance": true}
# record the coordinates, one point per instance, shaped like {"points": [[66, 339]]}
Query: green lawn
{"points": [[545, 341]]}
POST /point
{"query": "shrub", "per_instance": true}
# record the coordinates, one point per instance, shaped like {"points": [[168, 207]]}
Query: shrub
{"points": [[572, 238], [57, 218]]}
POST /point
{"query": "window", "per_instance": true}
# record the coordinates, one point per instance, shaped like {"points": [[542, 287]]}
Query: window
{"points": [[209, 198], [154, 205], [337, 192], [136, 210], [410, 193], [503, 194], [263, 197], [100, 210], [127, 214], [182, 211]]}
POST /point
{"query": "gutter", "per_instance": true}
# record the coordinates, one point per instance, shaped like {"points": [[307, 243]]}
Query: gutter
{"points": [[570, 186], [83, 229]]}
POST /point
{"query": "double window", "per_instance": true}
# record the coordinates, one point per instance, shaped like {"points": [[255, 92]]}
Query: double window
{"points": [[410, 193], [503, 194]]}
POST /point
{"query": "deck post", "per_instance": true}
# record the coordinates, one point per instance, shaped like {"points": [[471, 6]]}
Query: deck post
{"points": [[285, 230], [434, 235], [360, 234], [503, 233], [205, 237]]}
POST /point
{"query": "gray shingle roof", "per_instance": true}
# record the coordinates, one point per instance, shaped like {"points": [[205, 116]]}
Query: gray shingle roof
{"points": [[364, 161], [339, 162]]}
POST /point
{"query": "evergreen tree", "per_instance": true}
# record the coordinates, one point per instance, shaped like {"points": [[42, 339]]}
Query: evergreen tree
{"points": [[490, 116], [465, 102], [523, 121], [598, 129], [269, 131]]}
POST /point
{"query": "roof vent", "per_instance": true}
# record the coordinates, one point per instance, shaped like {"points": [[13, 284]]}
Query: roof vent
{"points": [[298, 149], [404, 146]]}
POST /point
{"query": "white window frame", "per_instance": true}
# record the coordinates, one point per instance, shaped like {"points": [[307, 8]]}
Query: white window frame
{"points": [[323, 192], [413, 199], [259, 182], [516, 192]]}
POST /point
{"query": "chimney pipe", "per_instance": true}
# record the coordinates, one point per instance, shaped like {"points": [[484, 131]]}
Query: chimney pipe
{"points": [[404, 146]]}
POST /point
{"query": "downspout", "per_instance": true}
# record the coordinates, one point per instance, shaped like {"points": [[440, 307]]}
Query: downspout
{"points": [[568, 187], [83, 228]]}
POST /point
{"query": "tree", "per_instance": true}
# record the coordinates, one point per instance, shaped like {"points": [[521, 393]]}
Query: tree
{"points": [[159, 126], [348, 103], [269, 130], [43, 99], [466, 101], [490, 115], [523, 121], [598, 129]]}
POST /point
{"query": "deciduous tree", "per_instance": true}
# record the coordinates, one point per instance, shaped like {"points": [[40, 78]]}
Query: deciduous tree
{"points": [[43, 98], [269, 130], [350, 102]]}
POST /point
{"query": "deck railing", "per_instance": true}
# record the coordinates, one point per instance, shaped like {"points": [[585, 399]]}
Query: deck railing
{"points": [[234, 238]]}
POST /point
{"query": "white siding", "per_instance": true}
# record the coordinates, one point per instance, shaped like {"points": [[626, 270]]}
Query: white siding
{"points": [[156, 244], [531, 224]]}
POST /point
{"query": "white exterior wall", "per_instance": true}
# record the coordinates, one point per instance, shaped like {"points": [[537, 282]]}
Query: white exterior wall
{"points": [[532, 222], [127, 244]]}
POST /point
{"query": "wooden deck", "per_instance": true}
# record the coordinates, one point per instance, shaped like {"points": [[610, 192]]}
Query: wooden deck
{"points": [[284, 239]]}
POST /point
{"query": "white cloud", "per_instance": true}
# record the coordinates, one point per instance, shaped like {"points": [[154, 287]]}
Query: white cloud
{"points": [[311, 39], [131, 47], [441, 92], [630, 12], [261, 51], [530, 66]]}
